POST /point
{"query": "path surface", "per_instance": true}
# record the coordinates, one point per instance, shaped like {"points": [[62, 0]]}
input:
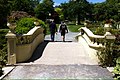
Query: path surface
{"points": [[64, 53], [60, 60], [70, 36]]}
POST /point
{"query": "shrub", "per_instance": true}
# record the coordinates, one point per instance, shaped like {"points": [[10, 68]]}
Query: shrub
{"points": [[3, 56], [25, 24], [3, 41], [17, 15], [108, 55], [3, 44], [102, 31], [3, 49], [1, 71], [115, 31], [105, 57], [99, 31], [117, 70], [3, 32]]}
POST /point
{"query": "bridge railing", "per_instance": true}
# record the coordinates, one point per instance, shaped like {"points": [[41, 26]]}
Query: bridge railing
{"points": [[21, 47], [94, 41]]}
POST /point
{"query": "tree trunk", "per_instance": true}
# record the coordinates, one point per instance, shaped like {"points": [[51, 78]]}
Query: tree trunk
{"points": [[78, 19]]}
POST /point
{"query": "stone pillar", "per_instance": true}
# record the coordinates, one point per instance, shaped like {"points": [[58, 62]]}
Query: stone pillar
{"points": [[11, 44], [107, 27], [110, 38]]}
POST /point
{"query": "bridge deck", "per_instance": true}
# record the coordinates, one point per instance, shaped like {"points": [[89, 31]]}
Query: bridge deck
{"points": [[61, 53]]}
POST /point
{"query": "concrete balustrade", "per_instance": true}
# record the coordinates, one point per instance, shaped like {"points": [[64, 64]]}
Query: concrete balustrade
{"points": [[95, 42], [11, 45], [23, 46]]}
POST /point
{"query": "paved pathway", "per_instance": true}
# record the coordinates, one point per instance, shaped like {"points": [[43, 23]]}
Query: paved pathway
{"points": [[61, 53], [60, 60], [69, 37]]}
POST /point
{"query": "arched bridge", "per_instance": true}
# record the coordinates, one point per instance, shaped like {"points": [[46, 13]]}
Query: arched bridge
{"points": [[73, 59]]}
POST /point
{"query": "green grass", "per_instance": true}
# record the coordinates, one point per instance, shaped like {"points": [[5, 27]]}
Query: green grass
{"points": [[71, 27], [74, 28]]}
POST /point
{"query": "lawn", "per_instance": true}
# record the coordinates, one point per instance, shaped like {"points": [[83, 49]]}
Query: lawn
{"points": [[71, 27], [74, 28]]}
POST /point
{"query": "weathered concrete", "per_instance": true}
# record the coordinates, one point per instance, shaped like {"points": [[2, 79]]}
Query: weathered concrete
{"points": [[89, 72]]}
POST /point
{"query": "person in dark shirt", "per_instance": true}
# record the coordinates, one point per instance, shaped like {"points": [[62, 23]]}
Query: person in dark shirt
{"points": [[63, 30], [53, 29]]}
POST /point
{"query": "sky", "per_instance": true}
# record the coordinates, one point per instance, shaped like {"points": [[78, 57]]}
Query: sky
{"points": [[57, 2]]}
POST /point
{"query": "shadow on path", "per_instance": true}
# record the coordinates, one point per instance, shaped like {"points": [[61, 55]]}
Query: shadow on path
{"points": [[38, 51], [60, 41]]}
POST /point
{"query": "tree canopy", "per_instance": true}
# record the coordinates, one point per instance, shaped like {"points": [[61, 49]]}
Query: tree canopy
{"points": [[23, 5], [4, 10], [110, 9], [76, 9], [107, 10], [43, 9], [72, 10], [7, 6]]}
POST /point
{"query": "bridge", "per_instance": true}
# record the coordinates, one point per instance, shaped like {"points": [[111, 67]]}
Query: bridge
{"points": [[35, 57]]}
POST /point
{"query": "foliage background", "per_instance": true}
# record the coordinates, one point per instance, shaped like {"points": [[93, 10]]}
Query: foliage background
{"points": [[25, 24]]}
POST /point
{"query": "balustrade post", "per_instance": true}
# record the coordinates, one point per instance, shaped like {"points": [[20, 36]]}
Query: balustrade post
{"points": [[110, 38], [11, 45]]}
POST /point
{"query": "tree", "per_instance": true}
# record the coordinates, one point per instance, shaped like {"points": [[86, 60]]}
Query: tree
{"points": [[113, 1], [107, 10], [34, 3], [23, 5], [43, 9], [113, 9], [60, 13], [7, 6], [79, 8], [99, 11], [4, 10], [64, 7]]}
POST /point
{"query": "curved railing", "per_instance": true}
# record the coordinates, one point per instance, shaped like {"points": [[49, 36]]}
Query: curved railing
{"points": [[94, 41], [21, 47]]}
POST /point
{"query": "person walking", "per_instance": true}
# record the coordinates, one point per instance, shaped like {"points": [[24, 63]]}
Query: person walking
{"points": [[53, 30], [63, 30]]}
